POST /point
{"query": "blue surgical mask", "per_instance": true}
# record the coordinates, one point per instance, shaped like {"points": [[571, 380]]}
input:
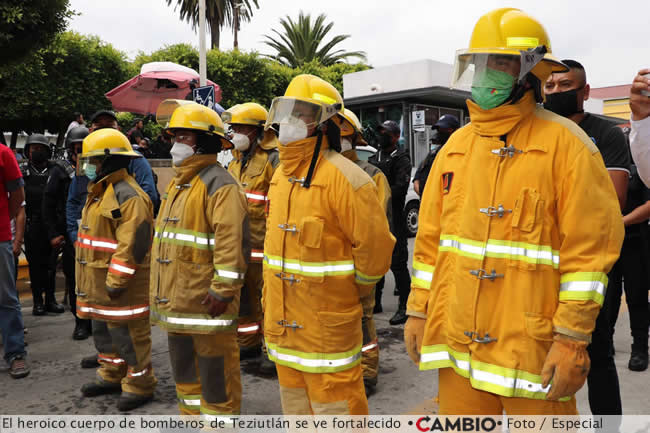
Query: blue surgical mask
{"points": [[90, 171]]}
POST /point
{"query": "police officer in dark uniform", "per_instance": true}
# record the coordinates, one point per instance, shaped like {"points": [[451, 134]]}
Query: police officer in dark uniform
{"points": [[632, 267], [54, 202], [42, 269], [396, 166]]}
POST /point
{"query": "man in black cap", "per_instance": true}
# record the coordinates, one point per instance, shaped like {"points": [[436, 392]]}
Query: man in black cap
{"points": [[396, 166], [442, 130]]}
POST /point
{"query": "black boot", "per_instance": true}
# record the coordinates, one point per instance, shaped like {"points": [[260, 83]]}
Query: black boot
{"points": [[400, 315], [267, 367], [370, 385], [39, 308], [89, 362], [80, 330], [51, 306], [638, 358], [132, 401], [100, 388]]}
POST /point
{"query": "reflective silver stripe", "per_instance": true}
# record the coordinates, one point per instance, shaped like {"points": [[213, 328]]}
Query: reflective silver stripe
{"points": [[314, 362], [369, 347], [198, 322], [115, 313], [310, 269], [230, 274], [423, 275], [102, 244], [121, 268], [190, 402], [138, 373], [484, 376], [248, 328], [256, 196], [583, 286], [497, 248], [185, 238], [257, 254], [111, 360]]}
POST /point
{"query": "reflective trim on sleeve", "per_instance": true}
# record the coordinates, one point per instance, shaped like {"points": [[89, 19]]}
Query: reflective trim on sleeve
{"points": [[257, 256], [248, 328], [583, 286], [189, 238], [199, 322], [422, 275], [95, 243], [364, 279], [121, 268], [256, 196]]}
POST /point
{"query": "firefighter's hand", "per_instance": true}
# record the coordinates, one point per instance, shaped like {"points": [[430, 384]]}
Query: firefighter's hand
{"points": [[56, 242], [215, 306], [567, 365], [416, 187], [640, 103], [413, 335]]}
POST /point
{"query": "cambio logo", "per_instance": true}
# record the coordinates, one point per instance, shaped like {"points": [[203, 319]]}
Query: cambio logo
{"points": [[465, 424]]}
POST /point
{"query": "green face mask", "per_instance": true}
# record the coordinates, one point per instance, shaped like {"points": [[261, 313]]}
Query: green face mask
{"points": [[491, 88]]}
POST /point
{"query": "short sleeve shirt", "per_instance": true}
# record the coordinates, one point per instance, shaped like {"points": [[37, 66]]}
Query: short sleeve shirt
{"points": [[10, 180], [610, 141]]}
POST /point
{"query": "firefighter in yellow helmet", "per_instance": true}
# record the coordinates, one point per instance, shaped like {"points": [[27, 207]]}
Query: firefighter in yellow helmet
{"points": [[351, 138], [255, 160], [327, 244], [519, 225], [112, 269], [198, 261]]}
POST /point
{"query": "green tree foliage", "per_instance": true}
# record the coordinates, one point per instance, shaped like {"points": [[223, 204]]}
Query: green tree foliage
{"points": [[28, 25], [302, 42], [72, 74], [217, 14]]}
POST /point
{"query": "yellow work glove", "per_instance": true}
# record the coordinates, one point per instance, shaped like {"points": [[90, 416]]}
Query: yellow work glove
{"points": [[413, 335], [567, 365]]}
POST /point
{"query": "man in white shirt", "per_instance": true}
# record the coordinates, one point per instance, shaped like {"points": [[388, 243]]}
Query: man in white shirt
{"points": [[640, 122], [78, 121]]}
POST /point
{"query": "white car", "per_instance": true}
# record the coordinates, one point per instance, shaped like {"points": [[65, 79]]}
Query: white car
{"points": [[412, 202]]}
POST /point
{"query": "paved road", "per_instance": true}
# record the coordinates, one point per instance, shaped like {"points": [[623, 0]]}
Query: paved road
{"points": [[53, 387]]}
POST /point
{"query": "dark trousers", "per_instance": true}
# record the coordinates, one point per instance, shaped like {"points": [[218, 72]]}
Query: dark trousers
{"points": [[632, 267], [604, 391], [399, 267], [68, 272], [42, 267]]}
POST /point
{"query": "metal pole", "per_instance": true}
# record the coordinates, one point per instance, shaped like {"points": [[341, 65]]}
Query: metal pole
{"points": [[202, 65]]}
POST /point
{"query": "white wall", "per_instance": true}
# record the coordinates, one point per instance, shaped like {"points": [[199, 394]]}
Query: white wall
{"points": [[394, 78]]}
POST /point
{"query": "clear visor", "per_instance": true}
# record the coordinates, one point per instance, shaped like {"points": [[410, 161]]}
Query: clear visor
{"points": [[470, 68], [292, 111], [89, 164], [167, 108]]}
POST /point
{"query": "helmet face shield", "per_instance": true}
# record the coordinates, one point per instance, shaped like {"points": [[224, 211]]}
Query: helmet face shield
{"points": [[89, 165], [472, 69], [295, 111]]}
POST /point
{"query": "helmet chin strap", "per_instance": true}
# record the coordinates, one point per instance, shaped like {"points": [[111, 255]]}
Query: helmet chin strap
{"points": [[527, 80], [314, 158]]}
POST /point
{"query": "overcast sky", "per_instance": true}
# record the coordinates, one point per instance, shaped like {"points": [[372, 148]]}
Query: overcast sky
{"points": [[610, 38]]}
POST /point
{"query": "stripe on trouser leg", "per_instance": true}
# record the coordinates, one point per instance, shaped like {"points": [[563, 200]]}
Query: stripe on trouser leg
{"points": [[212, 372], [182, 358], [294, 401], [123, 343], [190, 402]]}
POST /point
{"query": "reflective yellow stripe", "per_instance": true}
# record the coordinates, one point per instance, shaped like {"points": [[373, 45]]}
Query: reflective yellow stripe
{"points": [[492, 378], [523, 42], [530, 253], [422, 275], [190, 238], [583, 286], [192, 402], [314, 362], [310, 268], [362, 278], [185, 321]]}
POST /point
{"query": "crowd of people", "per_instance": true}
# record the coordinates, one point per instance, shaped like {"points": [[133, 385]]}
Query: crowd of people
{"points": [[528, 214]]}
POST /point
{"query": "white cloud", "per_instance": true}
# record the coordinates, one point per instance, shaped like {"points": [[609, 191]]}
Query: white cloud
{"points": [[608, 38]]}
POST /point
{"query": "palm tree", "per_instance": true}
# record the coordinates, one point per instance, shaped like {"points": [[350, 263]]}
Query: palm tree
{"points": [[299, 44], [217, 14]]}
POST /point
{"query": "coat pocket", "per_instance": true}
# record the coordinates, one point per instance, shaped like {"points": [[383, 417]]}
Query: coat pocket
{"points": [[341, 331], [539, 327], [527, 250], [312, 256], [192, 281]]}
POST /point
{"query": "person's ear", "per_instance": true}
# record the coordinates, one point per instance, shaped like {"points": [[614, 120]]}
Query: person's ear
{"points": [[586, 91]]}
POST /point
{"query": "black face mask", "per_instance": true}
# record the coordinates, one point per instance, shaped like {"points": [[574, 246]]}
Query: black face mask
{"points": [[385, 141], [563, 103], [39, 156], [439, 137]]}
